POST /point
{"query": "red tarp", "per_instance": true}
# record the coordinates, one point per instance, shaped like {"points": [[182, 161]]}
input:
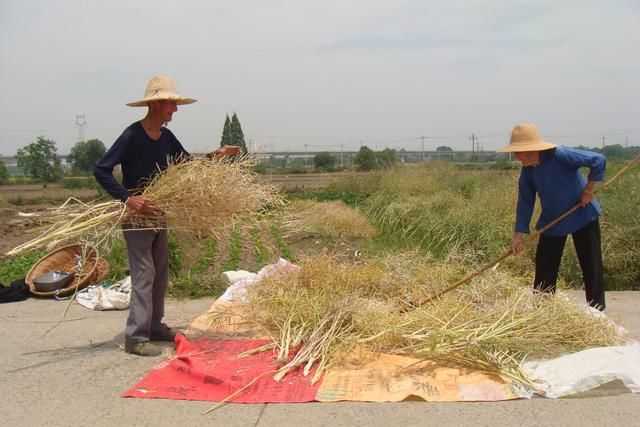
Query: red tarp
{"points": [[210, 370]]}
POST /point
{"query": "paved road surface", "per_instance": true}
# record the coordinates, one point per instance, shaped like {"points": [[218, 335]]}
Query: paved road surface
{"points": [[73, 376]]}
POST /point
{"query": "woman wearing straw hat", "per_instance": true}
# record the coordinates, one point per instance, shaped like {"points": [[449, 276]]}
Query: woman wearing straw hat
{"points": [[142, 150], [553, 173]]}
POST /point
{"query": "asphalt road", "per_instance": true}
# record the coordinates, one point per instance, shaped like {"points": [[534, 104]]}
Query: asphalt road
{"points": [[72, 374]]}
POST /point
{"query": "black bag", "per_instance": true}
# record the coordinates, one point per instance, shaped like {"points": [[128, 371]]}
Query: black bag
{"points": [[17, 291]]}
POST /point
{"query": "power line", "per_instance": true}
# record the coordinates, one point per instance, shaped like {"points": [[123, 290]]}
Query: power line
{"points": [[34, 130], [580, 135], [324, 145]]}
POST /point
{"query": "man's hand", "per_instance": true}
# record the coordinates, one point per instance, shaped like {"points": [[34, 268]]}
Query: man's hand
{"points": [[517, 244], [226, 151], [139, 204]]}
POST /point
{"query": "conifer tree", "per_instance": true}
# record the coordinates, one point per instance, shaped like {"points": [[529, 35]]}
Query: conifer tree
{"points": [[226, 133], [237, 136]]}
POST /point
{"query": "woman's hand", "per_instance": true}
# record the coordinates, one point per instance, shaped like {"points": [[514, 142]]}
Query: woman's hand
{"points": [[586, 197], [517, 244], [587, 194]]}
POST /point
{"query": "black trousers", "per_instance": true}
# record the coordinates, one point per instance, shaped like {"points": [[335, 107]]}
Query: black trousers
{"points": [[587, 244]]}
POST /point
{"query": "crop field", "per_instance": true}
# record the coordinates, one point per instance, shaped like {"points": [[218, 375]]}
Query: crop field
{"points": [[447, 213], [35, 194], [300, 183], [54, 194]]}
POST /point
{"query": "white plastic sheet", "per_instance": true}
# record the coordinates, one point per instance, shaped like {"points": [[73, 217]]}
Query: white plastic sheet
{"points": [[587, 369], [114, 297], [240, 281]]}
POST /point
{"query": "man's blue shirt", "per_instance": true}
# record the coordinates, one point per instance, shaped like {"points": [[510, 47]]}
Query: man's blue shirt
{"points": [[559, 183], [140, 158]]}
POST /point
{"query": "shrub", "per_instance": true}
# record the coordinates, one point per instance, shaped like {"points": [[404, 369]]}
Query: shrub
{"points": [[4, 174], [77, 182], [17, 267]]}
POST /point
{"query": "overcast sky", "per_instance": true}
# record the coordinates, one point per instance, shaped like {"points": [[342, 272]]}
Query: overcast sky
{"points": [[324, 74]]}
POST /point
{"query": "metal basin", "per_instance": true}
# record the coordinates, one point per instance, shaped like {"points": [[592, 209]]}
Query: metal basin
{"points": [[52, 281]]}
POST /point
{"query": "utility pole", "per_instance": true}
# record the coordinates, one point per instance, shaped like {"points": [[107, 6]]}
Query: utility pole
{"points": [[473, 139], [341, 155], [422, 153], [305, 156], [81, 122], [603, 138]]}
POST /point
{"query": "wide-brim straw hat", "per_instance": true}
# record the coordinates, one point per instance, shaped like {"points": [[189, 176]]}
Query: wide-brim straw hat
{"points": [[161, 88], [525, 137]]}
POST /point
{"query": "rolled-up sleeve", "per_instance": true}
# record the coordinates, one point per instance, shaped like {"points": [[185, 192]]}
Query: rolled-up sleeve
{"points": [[576, 158]]}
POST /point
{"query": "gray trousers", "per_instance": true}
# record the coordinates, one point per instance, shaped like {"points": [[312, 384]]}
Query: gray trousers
{"points": [[148, 252]]}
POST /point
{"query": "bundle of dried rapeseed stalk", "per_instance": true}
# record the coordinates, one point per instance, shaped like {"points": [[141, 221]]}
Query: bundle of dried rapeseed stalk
{"points": [[204, 197], [328, 309], [334, 219]]}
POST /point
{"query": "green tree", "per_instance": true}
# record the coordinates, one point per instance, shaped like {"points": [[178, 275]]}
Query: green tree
{"points": [[582, 147], [614, 152], [324, 161], [631, 152], [444, 152], [85, 154], [365, 160], [226, 133], [387, 158], [4, 173], [40, 161], [237, 136]]}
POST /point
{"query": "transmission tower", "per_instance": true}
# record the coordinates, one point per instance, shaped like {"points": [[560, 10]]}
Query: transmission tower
{"points": [[81, 122]]}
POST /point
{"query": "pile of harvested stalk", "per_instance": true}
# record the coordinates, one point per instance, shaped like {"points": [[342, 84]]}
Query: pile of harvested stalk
{"points": [[333, 219], [321, 315], [203, 197]]}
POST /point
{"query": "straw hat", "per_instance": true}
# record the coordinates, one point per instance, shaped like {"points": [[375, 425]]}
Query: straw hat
{"points": [[160, 88], [525, 137]]}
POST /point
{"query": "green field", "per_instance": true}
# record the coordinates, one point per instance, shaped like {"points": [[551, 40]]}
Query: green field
{"points": [[450, 213]]}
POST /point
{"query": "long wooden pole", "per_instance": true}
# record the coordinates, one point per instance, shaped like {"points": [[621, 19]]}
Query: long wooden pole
{"points": [[532, 236]]}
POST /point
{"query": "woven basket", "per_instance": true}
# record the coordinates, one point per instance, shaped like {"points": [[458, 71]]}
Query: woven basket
{"points": [[64, 259], [100, 273]]}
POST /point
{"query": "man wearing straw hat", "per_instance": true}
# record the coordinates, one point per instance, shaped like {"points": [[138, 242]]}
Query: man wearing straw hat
{"points": [[144, 149], [553, 173]]}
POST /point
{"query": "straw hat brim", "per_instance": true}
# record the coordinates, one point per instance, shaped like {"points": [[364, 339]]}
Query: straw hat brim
{"points": [[178, 100], [539, 145]]}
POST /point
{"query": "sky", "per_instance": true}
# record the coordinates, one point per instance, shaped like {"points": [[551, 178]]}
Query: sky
{"points": [[324, 75]]}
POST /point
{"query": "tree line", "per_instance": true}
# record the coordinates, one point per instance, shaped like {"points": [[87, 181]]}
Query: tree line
{"points": [[40, 160]]}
